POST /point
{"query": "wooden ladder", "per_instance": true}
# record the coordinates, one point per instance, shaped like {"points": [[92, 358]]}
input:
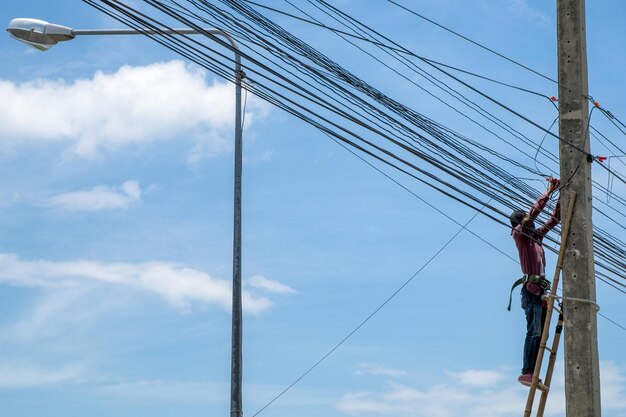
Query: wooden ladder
{"points": [[545, 386]]}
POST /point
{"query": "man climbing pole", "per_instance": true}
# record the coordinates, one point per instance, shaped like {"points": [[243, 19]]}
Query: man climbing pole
{"points": [[533, 262]]}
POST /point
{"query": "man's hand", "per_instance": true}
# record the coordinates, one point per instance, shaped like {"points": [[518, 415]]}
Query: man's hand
{"points": [[553, 184]]}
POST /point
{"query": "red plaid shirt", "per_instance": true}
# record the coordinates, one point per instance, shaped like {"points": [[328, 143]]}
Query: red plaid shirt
{"points": [[528, 241]]}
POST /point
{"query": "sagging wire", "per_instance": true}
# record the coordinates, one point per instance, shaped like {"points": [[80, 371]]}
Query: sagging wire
{"points": [[368, 318]]}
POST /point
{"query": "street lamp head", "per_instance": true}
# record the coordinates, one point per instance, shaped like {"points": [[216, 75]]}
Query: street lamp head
{"points": [[39, 34]]}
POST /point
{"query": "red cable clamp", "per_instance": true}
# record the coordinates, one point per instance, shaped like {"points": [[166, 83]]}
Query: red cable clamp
{"points": [[595, 103], [554, 98], [601, 158]]}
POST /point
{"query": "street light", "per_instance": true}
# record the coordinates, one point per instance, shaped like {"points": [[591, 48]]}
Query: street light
{"points": [[43, 35]]}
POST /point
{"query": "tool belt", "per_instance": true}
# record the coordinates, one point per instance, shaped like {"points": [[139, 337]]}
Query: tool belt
{"points": [[539, 280]]}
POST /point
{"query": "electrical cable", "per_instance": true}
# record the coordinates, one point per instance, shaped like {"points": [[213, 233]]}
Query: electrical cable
{"points": [[481, 187], [363, 322], [472, 41], [609, 251]]}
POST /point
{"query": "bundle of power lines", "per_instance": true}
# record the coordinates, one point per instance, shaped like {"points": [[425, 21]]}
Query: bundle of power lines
{"points": [[391, 136]]}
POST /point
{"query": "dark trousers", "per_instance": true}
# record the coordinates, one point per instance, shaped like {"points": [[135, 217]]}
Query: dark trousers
{"points": [[535, 318]]}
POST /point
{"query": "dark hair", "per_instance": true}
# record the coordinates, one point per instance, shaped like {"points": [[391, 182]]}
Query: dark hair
{"points": [[517, 217]]}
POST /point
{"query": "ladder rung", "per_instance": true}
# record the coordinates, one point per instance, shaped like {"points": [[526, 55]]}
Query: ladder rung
{"points": [[557, 310], [543, 387], [548, 349]]}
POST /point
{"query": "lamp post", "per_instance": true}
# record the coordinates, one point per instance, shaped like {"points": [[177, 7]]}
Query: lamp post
{"points": [[43, 35]]}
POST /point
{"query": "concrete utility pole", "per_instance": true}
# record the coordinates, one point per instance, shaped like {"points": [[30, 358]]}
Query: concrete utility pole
{"points": [[582, 375]]}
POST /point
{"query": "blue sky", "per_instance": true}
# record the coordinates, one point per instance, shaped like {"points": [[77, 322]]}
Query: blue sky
{"points": [[116, 233]]}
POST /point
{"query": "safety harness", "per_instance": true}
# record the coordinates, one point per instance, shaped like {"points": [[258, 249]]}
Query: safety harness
{"points": [[540, 280]]}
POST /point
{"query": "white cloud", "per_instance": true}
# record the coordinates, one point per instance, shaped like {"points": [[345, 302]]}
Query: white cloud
{"points": [[64, 308], [437, 401], [478, 378], [265, 156], [441, 400], [472, 393], [269, 285], [180, 286], [7, 201], [167, 391], [26, 375], [371, 369], [135, 105], [613, 380], [101, 197]]}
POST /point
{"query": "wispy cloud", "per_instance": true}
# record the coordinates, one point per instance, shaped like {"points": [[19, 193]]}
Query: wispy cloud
{"points": [[177, 284], [478, 378], [269, 285], [613, 386], [135, 105], [9, 200], [18, 374], [101, 197], [474, 393], [167, 391], [371, 369]]}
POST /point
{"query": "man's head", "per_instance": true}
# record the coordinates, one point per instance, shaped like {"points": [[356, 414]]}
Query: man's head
{"points": [[517, 217]]}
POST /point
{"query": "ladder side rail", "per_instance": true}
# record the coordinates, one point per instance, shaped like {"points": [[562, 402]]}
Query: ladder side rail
{"points": [[546, 327], [555, 346]]}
